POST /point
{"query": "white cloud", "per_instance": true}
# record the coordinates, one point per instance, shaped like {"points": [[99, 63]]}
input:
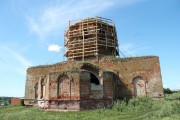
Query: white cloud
{"points": [[54, 47], [54, 18]]}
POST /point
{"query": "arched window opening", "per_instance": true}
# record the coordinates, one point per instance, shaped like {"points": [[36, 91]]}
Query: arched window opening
{"points": [[94, 79], [139, 86], [63, 87], [60, 86], [42, 88], [36, 90], [96, 89]]}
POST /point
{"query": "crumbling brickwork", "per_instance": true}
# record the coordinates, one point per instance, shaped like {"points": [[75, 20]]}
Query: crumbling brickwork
{"points": [[98, 79], [69, 85]]}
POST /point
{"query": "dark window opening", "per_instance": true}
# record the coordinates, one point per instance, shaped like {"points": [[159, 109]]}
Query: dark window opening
{"points": [[103, 31], [36, 91], [59, 88], [94, 79], [42, 85]]}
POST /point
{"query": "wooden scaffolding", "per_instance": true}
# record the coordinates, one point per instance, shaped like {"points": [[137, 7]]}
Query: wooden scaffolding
{"points": [[90, 38]]}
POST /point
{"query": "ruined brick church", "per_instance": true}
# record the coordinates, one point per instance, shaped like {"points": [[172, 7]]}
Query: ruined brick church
{"points": [[94, 75]]}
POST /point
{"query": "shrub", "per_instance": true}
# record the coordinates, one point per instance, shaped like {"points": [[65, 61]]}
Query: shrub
{"points": [[174, 96], [120, 105], [167, 91], [138, 108]]}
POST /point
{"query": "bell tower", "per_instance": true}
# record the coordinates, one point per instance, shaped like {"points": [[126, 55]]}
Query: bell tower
{"points": [[91, 38]]}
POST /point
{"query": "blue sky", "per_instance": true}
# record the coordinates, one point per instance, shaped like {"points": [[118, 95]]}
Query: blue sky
{"points": [[31, 33]]}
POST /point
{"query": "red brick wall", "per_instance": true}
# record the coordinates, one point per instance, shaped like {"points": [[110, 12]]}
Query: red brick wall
{"points": [[128, 68], [117, 83], [15, 101]]}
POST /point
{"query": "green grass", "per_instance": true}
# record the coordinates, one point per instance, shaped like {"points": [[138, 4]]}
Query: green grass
{"points": [[135, 109]]}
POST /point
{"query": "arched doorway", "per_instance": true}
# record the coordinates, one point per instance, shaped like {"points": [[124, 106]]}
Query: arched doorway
{"points": [[42, 88], [96, 87], [139, 86], [94, 79]]}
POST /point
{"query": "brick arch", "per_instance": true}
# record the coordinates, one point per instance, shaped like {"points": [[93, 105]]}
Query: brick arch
{"points": [[91, 69], [138, 76], [94, 76]]}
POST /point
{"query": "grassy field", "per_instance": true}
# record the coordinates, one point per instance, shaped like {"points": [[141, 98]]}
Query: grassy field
{"points": [[136, 109]]}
